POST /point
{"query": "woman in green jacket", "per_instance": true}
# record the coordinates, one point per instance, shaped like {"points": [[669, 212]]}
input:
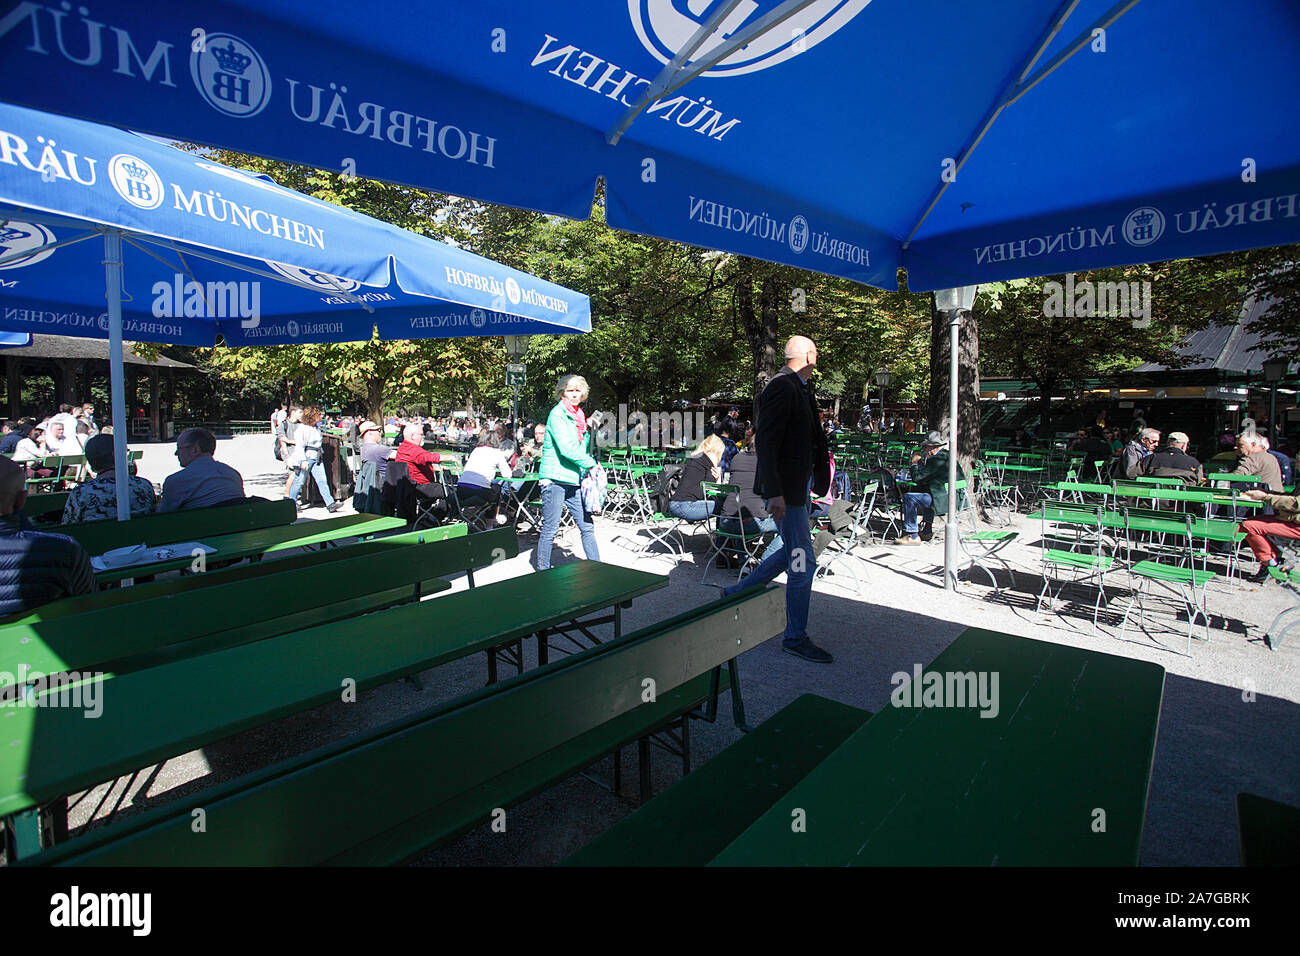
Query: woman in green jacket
{"points": [[564, 461]]}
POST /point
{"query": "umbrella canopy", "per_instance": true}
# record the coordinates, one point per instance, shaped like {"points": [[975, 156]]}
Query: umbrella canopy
{"points": [[964, 142], [212, 251]]}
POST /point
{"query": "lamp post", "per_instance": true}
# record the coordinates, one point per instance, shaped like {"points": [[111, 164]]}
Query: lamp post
{"points": [[1274, 371], [516, 345], [953, 302], [882, 379]]}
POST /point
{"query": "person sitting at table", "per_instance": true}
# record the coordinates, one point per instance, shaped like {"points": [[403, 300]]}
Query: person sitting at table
{"points": [[1172, 462], [1090, 445], [421, 467], [13, 434], [746, 505], [689, 501], [485, 463], [929, 494], [1254, 459], [36, 567], [1283, 460], [96, 500], [1284, 522], [202, 481]]}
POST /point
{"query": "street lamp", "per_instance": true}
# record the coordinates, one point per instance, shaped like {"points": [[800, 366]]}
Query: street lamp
{"points": [[1274, 371], [882, 379], [954, 302]]}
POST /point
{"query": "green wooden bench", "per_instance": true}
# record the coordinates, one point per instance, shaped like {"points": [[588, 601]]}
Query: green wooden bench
{"points": [[694, 820], [165, 528], [242, 572], [173, 623], [1269, 831], [1027, 785], [45, 508], [392, 792]]}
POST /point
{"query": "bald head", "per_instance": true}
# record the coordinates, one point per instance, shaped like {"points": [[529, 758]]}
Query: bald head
{"points": [[13, 486], [800, 355]]}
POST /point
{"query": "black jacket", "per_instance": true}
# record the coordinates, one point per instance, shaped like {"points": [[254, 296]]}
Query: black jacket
{"points": [[744, 468], [698, 468], [37, 567], [790, 442], [1170, 463]]}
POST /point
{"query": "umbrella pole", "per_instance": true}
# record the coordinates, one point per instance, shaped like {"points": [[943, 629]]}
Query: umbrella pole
{"points": [[117, 393], [951, 531]]}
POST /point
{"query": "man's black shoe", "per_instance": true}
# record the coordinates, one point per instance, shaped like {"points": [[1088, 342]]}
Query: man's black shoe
{"points": [[809, 652]]}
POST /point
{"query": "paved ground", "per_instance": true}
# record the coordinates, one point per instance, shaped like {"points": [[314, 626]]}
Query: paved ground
{"points": [[1230, 720]]}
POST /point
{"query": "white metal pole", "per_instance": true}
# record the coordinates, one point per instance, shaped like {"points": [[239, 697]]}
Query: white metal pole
{"points": [[950, 530], [117, 389]]}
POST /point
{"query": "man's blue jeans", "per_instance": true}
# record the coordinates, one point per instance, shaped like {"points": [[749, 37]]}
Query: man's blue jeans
{"points": [[912, 501], [755, 526], [555, 497], [796, 557]]}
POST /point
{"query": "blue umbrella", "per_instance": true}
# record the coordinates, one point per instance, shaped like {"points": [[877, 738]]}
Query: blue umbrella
{"points": [[193, 250], [964, 142]]}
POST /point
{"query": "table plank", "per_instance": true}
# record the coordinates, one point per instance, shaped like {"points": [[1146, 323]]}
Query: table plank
{"points": [[1075, 731], [243, 544]]}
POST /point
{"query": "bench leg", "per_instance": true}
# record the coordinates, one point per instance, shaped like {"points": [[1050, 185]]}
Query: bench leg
{"points": [[737, 703], [686, 744], [643, 766], [543, 649], [492, 665]]}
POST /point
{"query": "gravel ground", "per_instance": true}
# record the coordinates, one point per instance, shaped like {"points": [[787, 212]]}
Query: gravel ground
{"points": [[1229, 722]]}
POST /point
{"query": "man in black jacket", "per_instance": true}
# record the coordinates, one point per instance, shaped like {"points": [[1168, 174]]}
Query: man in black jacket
{"points": [[36, 567], [791, 450]]}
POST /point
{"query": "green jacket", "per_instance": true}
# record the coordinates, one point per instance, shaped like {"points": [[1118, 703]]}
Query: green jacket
{"points": [[564, 454], [932, 475]]}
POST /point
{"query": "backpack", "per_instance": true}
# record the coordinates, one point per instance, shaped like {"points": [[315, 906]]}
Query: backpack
{"points": [[666, 487]]}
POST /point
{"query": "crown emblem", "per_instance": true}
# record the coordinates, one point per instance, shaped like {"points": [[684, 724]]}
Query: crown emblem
{"points": [[134, 170], [231, 60], [10, 234], [1143, 218]]}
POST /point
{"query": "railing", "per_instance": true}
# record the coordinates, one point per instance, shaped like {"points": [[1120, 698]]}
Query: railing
{"points": [[226, 428]]}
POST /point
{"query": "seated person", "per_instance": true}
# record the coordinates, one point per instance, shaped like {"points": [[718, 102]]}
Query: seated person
{"points": [[36, 567], [1172, 462], [1283, 523], [421, 468], [689, 501], [485, 463], [202, 481], [929, 476], [1091, 446], [29, 446], [96, 500], [13, 434], [746, 505], [533, 445], [1283, 460], [728, 432], [1255, 460], [367, 495], [373, 448]]}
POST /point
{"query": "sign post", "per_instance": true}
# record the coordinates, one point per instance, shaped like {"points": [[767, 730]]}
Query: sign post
{"points": [[516, 372]]}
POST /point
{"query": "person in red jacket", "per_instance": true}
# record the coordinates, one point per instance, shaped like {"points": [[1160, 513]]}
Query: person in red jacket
{"points": [[422, 466]]}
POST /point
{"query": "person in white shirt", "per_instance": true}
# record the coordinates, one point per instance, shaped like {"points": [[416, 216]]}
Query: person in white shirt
{"points": [[67, 420], [483, 465], [31, 448], [54, 437]]}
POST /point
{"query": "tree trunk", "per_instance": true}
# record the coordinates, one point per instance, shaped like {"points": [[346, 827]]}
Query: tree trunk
{"points": [[1045, 390], [761, 322], [968, 382], [375, 400]]}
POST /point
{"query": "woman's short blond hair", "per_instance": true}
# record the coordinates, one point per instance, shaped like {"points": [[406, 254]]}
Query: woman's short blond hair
{"points": [[569, 380], [711, 446]]}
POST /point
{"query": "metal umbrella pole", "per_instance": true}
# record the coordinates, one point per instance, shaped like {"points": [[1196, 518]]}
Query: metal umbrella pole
{"points": [[117, 389], [953, 302]]}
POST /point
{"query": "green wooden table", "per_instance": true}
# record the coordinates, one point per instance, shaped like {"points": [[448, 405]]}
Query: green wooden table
{"points": [[1239, 479], [245, 544], [163, 711], [1073, 737]]}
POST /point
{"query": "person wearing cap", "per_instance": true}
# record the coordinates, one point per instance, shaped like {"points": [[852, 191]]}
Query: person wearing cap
{"points": [[1172, 461], [96, 500], [373, 448], [930, 495]]}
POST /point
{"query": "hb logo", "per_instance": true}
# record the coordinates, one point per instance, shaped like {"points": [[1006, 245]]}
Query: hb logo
{"points": [[24, 237], [230, 75], [1143, 226], [321, 280], [135, 181], [664, 26]]}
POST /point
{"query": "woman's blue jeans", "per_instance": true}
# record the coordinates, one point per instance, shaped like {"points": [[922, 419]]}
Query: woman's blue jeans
{"points": [[692, 510], [557, 496], [755, 526], [318, 472]]}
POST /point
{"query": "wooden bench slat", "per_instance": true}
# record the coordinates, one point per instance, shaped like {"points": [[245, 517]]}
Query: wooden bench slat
{"points": [[694, 820]]}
